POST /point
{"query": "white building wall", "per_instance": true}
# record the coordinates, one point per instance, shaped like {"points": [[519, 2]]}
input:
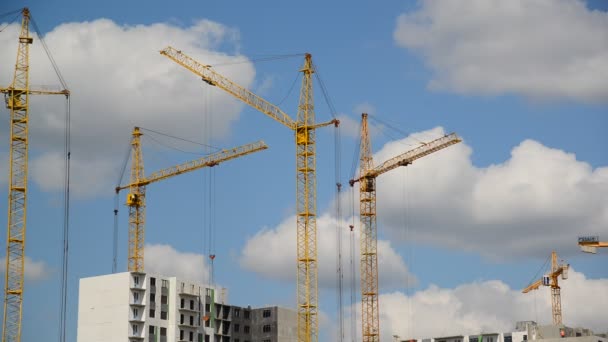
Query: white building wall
{"points": [[103, 308], [108, 309], [518, 336]]}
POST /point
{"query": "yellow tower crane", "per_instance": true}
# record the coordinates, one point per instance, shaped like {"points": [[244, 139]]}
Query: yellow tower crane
{"points": [[17, 101], [370, 319], [306, 197], [551, 280], [590, 244], [138, 182]]}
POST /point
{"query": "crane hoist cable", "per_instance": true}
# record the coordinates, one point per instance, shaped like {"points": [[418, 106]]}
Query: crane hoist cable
{"points": [[304, 127], [338, 205], [339, 228], [17, 96], [368, 172], [210, 148], [353, 282], [66, 223], [260, 59], [16, 14]]}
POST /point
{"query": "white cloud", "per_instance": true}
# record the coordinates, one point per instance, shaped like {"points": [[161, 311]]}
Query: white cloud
{"points": [[33, 270], [351, 126], [280, 243], [541, 193], [166, 260], [489, 306], [119, 80], [541, 49]]}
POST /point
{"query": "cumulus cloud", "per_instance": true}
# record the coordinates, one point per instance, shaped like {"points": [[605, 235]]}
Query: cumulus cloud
{"points": [[541, 49], [489, 306], [33, 270], [166, 260], [119, 80], [277, 248], [544, 194]]}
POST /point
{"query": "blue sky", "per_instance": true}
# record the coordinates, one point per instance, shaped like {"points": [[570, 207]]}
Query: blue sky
{"points": [[524, 90]]}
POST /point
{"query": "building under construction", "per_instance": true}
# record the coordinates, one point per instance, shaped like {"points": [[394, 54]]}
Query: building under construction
{"points": [[524, 331], [137, 306]]}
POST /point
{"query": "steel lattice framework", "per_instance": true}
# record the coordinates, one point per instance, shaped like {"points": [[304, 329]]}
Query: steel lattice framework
{"points": [[17, 101], [306, 184], [136, 199], [557, 269], [370, 318], [307, 291]]}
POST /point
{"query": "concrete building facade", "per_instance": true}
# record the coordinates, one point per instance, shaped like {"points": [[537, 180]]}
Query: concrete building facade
{"points": [[524, 331], [140, 307]]}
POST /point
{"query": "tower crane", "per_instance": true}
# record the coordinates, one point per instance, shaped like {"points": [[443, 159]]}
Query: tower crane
{"points": [[367, 210], [590, 244], [138, 182], [17, 101], [306, 195], [551, 280]]}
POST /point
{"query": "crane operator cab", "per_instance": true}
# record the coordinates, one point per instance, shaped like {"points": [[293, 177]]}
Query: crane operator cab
{"points": [[133, 199]]}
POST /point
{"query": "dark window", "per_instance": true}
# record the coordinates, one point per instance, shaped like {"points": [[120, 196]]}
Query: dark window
{"points": [[247, 314], [237, 312], [181, 319], [200, 337], [152, 298], [163, 331], [246, 329], [266, 328], [207, 307], [525, 337], [508, 338], [181, 303], [181, 335], [266, 340], [152, 281], [266, 313], [165, 283], [191, 337], [191, 304], [163, 315], [191, 320], [236, 327], [152, 313], [136, 280], [151, 329], [163, 299]]}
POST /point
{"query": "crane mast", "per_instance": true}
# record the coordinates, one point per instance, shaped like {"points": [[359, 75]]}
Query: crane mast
{"points": [[551, 280], [370, 318], [306, 185], [17, 101], [136, 199]]}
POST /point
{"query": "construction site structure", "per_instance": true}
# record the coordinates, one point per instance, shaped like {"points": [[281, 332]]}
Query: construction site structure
{"points": [[551, 280], [136, 199], [304, 128], [138, 306], [17, 101], [590, 244], [370, 319]]}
